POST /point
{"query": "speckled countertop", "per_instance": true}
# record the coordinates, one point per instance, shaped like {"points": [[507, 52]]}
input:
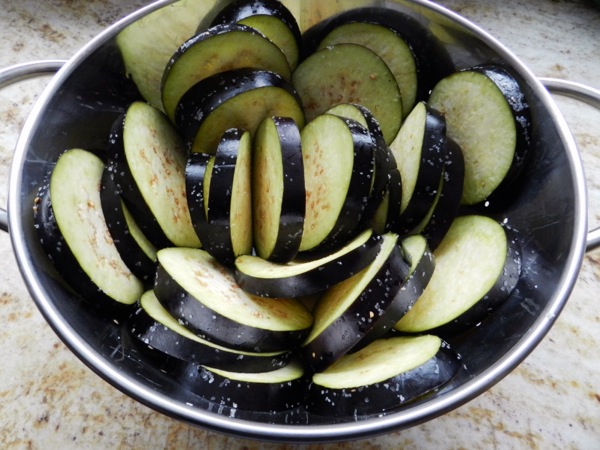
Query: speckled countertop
{"points": [[50, 400]]}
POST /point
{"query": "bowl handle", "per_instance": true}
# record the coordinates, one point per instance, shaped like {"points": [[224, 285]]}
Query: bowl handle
{"points": [[19, 72], [588, 95]]}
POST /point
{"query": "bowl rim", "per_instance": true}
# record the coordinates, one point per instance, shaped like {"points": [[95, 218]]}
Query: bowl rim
{"points": [[314, 432]]}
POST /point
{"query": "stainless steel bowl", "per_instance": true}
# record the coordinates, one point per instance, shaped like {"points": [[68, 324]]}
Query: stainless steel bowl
{"points": [[84, 97]]}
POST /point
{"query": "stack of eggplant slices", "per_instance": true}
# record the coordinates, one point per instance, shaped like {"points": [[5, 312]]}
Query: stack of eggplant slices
{"points": [[301, 214]]}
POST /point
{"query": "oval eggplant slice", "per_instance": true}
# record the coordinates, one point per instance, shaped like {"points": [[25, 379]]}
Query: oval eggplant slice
{"points": [[227, 232], [204, 297], [420, 153], [384, 160], [278, 192], [239, 98], [350, 73], [476, 269], [338, 157], [134, 247], [384, 375], [387, 213], [357, 307], [488, 117], [275, 390], [218, 49], [152, 325], [271, 18], [302, 277], [447, 202], [148, 162], [74, 233], [433, 61], [389, 46], [197, 182]]}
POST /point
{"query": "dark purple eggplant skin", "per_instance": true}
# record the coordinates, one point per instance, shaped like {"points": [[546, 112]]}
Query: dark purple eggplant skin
{"points": [[316, 280], [388, 394], [195, 171], [394, 189], [159, 337], [514, 95], [214, 327], [448, 204], [241, 9], [494, 298], [133, 256], [67, 266], [207, 95], [349, 220], [218, 241], [369, 317], [293, 202], [432, 59], [244, 395], [433, 158], [119, 172]]}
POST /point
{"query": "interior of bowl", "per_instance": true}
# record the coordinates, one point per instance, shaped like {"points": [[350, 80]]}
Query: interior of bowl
{"points": [[78, 109]]}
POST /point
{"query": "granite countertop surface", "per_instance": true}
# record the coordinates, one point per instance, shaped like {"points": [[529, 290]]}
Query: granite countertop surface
{"points": [[51, 400]]}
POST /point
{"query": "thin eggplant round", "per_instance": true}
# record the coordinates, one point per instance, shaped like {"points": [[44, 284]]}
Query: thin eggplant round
{"points": [[147, 162], [153, 326], [420, 153], [203, 296], [278, 192], [126, 186], [138, 253], [302, 277], [388, 45], [275, 390], [218, 49], [477, 268], [228, 202], [447, 203], [338, 156], [433, 62], [224, 100], [349, 73], [69, 220], [270, 17], [488, 116], [195, 174], [385, 375], [358, 307]]}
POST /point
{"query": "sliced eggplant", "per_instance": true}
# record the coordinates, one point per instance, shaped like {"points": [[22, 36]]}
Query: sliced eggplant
{"points": [[386, 374], [387, 213], [477, 267], [350, 73], [338, 157], [197, 185], [278, 192], [138, 253], [204, 297], [445, 208], [433, 61], [147, 44], [227, 232], [73, 231], [270, 17], [357, 307], [384, 160], [275, 390], [239, 98], [299, 277], [153, 326], [220, 48], [147, 162], [388, 45], [488, 117], [420, 153]]}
